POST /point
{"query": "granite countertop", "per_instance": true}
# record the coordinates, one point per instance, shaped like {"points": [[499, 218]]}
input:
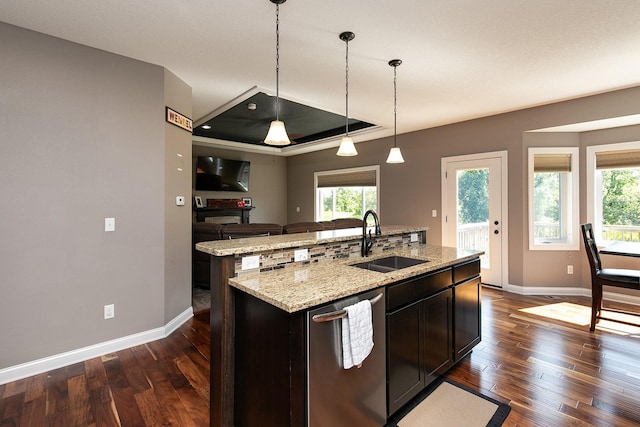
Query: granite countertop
{"points": [[286, 241], [301, 287]]}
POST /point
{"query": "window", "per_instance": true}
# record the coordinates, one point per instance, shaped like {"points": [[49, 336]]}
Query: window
{"points": [[346, 193], [613, 185], [553, 199]]}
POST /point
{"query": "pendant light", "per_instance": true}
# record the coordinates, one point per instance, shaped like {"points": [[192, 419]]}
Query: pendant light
{"points": [[346, 144], [395, 156], [277, 134]]}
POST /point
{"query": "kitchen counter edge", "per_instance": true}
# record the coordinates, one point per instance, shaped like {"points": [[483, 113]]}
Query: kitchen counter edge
{"points": [[287, 241], [303, 287]]}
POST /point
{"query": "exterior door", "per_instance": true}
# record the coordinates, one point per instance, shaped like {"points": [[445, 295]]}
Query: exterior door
{"points": [[474, 194]]}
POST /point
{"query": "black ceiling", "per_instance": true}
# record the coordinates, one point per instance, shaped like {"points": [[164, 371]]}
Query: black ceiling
{"points": [[303, 123]]}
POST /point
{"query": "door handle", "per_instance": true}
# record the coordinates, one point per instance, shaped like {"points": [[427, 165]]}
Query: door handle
{"points": [[339, 314]]}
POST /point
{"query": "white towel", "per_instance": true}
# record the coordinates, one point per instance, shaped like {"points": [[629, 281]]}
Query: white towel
{"points": [[357, 334]]}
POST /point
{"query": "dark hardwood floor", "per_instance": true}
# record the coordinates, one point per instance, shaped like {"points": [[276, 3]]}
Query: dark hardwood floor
{"points": [[552, 373], [162, 383]]}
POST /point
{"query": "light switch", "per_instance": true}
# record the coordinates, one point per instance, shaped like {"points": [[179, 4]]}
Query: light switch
{"points": [[109, 224]]}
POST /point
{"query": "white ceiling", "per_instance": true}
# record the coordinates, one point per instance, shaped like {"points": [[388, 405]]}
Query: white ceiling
{"points": [[462, 59]]}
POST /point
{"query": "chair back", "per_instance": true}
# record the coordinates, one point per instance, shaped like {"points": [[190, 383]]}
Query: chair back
{"points": [[347, 222], [253, 229], [302, 227], [592, 249]]}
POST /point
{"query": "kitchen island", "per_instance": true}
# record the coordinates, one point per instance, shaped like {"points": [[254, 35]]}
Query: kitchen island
{"points": [[259, 316]]}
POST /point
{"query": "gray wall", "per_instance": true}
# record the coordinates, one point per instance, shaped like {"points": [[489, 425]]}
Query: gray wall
{"points": [[267, 183], [409, 191], [82, 137], [177, 180]]}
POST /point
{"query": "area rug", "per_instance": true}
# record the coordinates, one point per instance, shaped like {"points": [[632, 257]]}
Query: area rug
{"points": [[447, 404]]}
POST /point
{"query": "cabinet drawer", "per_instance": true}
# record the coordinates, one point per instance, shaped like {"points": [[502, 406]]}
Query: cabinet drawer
{"points": [[469, 269], [414, 289]]}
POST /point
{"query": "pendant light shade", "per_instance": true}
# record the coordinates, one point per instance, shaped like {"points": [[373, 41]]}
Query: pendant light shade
{"points": [[395, 156], [277, 134], [346, 144], [346, 147]]}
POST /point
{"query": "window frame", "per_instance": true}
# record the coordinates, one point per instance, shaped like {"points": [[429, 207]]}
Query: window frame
{"points": [[316, 206], [570, 203], [594, 204]]}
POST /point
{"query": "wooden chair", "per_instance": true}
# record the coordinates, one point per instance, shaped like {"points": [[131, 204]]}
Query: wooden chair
{"points": [[621, 278]]}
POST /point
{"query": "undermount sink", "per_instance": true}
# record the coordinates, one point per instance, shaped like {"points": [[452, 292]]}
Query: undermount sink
{"points": [[390, 263]]}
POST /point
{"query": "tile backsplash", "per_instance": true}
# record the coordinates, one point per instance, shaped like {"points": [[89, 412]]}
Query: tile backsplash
{"points": [[275, 259]]}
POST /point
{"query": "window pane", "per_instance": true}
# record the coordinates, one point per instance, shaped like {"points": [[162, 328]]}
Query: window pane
{"points": [[547, 206], [346, 202], [620, 204], [370, 199], [553, 198], [346, 193], [473, 212], [325, 201]]}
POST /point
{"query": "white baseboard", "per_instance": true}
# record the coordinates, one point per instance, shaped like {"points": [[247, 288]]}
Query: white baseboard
{"points": [[572, 291], [535, 290], [24, 370]]}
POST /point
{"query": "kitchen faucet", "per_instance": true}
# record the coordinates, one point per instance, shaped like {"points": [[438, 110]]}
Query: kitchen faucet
{"points": [[367, 242]]}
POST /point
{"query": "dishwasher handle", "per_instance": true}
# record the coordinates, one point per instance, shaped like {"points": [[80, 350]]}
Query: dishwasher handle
{"points": [[339, 314]]}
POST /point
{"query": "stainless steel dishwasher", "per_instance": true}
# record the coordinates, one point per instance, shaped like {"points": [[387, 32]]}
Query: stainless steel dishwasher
{"points": [[345, 397]]}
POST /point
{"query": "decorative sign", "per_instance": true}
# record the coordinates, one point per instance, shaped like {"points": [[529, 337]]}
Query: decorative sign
{"points": [[179, 120]]}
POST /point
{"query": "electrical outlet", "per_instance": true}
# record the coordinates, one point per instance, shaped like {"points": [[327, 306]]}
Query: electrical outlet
{"points": [[109, 311], [250, 262], [301, 255], [414, 237], [569, 269]]}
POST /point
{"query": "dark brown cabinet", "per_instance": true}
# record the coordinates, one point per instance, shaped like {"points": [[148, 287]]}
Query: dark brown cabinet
{"points": [[419, 335], [432, 322], [467, 294], [406, 376], [467, 332], [437, 327]]}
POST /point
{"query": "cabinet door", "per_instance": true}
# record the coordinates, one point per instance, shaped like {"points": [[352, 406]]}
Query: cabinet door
{"points": [[466, 316], [406, 377], [437, 334]]}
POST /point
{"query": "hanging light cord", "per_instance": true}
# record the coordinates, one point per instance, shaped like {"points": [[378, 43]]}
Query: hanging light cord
{"points": [[277, 62], [395, 105], [347, 90]]}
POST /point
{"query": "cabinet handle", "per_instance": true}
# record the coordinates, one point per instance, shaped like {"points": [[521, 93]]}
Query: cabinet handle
{"points": [[339, 314]]}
